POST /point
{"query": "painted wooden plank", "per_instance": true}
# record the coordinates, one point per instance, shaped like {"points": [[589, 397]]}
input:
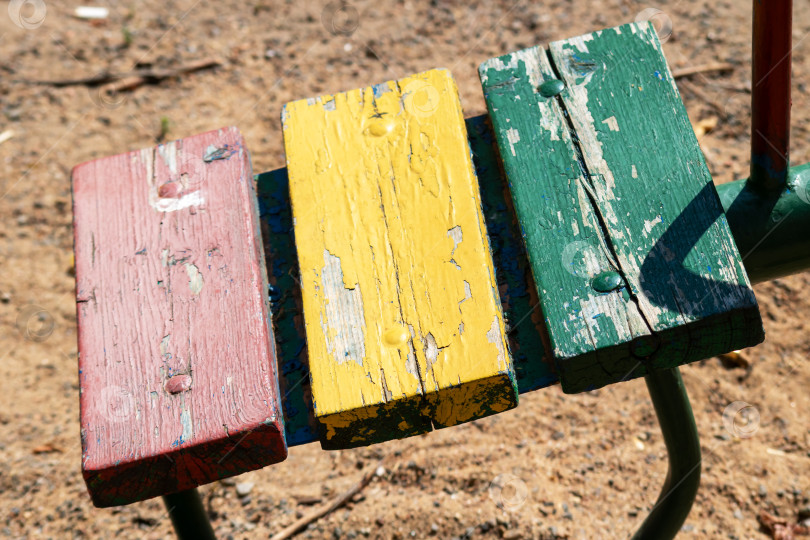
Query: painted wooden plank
{"points": [[566, 246], [275, 212], [635, 265], [403, 324], [177, 369]]}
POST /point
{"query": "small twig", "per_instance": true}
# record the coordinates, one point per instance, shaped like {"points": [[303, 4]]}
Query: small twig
{"points": [[731, 88], [307, 500], [780, 528], [93, 80], [336, 503], [697, 91], [717, 66], [130, 79]]}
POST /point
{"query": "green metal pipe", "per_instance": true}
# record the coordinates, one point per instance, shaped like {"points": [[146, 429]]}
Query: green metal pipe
{"points": [[770, 229], [680, 433], [188, 515]]}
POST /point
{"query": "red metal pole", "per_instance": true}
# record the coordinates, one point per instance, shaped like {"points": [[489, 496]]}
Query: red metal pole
{"points": [[770, 100]]}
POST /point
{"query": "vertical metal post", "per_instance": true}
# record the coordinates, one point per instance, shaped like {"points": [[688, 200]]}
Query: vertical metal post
{"points": [[770, 94], [188, 515], [683, 447]]}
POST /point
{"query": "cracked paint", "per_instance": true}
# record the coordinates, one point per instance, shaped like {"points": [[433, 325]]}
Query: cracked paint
{"points": [[344, 341], [381, 180], [195, 278]]}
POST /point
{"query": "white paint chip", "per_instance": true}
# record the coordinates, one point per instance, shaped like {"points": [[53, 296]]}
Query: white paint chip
{"points": [[431, 350], [494, 336], [188, 428], [195, 279], [513, 137], [345, 323], [611, 123]]}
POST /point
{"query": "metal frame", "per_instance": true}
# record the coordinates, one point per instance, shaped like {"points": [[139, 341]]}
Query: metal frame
{"points": [[188, 515], [683, 447]]}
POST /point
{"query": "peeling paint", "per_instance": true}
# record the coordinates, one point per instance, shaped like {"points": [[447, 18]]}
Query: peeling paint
{"points": [[612, 124], [431, 350], [455, 235], [386, 393], [650, 223], [513, 137], [188, 428], [467, 292], [344, 342], [494, 337], [195, 278], [180, 198], [164, 346], [410, 364]]}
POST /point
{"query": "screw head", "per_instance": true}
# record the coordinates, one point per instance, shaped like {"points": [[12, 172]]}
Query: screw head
{"points": [[551, 88], [178, 384], [607, 281]]}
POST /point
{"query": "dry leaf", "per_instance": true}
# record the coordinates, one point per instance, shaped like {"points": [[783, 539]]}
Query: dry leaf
{"points": [[46, 448], [704, 126], [734, 359], [779, 528]]}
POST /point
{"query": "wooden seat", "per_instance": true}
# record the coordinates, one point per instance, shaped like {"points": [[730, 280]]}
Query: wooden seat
{"points": [[177, 372], [396, 325], [635, 265], [414, 285], [403, 324]]}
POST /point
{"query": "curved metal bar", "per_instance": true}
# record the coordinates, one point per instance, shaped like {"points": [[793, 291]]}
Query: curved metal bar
{"points": [[681, 438], [189, 518]]}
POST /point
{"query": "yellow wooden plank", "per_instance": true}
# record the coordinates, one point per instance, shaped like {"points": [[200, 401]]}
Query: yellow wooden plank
{"points": [[404, 326]]}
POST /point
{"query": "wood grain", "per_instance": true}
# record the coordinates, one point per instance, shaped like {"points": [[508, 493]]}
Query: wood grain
{"points": [[177, 369], [608, 177], [403, 323]]}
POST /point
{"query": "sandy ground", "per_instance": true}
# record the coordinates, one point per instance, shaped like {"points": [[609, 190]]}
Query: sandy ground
{"points": [[582, 466]]}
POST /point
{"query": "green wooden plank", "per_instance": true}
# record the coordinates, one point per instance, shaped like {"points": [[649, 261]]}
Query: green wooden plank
{"points": [[534, 367], [626, 202], [566, 246]]}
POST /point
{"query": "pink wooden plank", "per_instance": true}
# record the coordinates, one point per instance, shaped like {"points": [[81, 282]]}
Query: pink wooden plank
{"points": [[177, 364]]}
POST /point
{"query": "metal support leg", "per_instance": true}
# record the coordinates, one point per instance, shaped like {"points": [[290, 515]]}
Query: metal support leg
{"points": [[188, 515], [681, 438], [770, 94]]}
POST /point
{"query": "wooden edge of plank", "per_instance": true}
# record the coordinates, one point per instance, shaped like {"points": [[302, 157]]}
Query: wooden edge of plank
{"points": [[275, 214], [627, 364], [529, 343], [383, 422], [181, 470]]}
